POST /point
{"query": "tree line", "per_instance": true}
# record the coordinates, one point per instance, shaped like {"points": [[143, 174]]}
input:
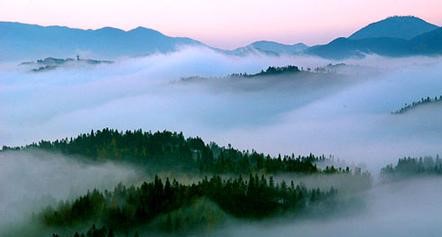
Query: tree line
{"points": [[409, 166], [270, 71], [171, 149], [93, 231], [125, 209], [413, 105]]}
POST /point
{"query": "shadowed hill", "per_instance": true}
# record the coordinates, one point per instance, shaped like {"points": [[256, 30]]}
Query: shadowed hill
{"points": [[401, 27], [392, 37], [427, 44]]}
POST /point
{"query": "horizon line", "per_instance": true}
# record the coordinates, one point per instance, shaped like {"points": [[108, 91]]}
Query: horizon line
{"points": [[200, 41]]}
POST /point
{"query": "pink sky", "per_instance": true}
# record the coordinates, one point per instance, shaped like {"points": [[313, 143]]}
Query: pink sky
{"points": [[223, 23]]}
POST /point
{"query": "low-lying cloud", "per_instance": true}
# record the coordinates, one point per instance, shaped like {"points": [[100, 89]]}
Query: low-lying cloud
{"points": [[409, 208], [29, 181], [345, 113]]}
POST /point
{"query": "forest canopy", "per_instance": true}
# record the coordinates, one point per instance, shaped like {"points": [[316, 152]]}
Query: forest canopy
{"points": [[172, 149], [126, 209], [412, 167]]}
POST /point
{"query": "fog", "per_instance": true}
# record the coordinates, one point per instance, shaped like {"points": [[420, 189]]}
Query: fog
{"points": [[345, 113], [32, 180], [356, 124], [408, 208]]}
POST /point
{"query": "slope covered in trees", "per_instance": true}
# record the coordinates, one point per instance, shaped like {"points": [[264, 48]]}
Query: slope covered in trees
{"points": [[271, 71], [415, 104], [172, 150], [411, 167], [183, 205], [127, 209], [93, 231]]}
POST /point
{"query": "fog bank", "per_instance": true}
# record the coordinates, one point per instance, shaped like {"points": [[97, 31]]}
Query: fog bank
{"points": [[29, 181], [409, 208], [345, 112]]}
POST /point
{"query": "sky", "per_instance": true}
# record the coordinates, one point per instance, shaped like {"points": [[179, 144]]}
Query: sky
{"points": [[223, 23]]}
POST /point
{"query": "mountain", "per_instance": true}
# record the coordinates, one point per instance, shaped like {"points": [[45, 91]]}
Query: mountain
{"points": [[25, 41], [270, 48], [341, 48], [393, 36], [428, 43], [401, 27]]}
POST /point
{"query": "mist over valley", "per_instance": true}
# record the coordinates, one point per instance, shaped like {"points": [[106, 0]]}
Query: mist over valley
{"points": [[110, 133]]}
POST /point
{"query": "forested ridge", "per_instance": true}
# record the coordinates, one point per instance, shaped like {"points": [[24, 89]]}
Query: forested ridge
{"points": [[167, 205], [125, 209], [415, 104], [270, 71], [411, 167], [171, 149]]}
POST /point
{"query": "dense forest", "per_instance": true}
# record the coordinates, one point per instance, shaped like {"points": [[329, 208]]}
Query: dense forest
{"points": [[127, 209], [409, 167], [179, 206], [173, 150], [413, 105], [93, 231], [290, 69], [270, 71], [274, 71]]}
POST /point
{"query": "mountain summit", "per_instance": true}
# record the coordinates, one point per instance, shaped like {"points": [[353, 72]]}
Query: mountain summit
{"points": [[401, 27], [393, 37]]}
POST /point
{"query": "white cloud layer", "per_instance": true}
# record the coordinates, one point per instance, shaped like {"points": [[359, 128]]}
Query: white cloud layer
{"points": [[346, 114]]}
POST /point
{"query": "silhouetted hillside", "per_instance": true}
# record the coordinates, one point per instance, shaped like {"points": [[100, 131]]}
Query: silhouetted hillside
{"points": [[24, 41], [401, 27]]}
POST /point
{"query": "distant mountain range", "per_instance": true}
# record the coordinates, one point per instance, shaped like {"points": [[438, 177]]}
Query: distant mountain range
{"points": [[395, 37], [24, 41]]}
